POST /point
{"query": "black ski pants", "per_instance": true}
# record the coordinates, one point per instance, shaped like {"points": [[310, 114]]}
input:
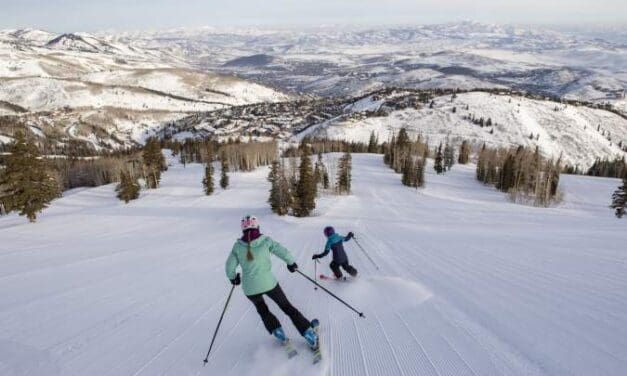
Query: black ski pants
{"points": [[269, 320], [335, 267]]}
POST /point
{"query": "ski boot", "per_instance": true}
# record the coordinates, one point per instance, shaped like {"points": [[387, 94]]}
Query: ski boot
{"points": [[279, 334], [312, 338]]}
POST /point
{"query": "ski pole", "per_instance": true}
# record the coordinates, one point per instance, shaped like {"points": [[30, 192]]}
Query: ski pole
{"points": [[365, 253], [316, 274], [218, 327], [332, 294]]}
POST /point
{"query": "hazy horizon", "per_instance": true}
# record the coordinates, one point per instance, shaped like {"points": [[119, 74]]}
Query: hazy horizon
{"points": [[74, 15], [590, 27]]}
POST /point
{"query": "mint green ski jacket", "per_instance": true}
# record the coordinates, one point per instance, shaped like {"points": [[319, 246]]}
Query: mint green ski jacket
{"points": [[257, 276]]}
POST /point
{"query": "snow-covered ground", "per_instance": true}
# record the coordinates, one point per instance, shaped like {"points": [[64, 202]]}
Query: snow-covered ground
{"points": [[469, 284]]}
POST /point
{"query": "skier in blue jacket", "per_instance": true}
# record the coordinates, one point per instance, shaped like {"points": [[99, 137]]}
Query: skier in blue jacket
{"points": [[340, 260]]}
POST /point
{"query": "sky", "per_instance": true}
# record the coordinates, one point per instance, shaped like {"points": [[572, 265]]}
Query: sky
{"points": [[90, 15]]}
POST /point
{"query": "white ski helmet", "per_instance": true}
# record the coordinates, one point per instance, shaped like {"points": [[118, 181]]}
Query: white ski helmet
{"points": [[249, 222]]}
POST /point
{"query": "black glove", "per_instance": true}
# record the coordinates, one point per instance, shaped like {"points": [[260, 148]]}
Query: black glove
{"points": [[236, 281], [292, 268], [350, 236], [315, 257]]}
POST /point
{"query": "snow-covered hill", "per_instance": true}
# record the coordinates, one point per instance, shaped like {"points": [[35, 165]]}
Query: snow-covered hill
{"points": [[74, 76], [82, 42], [469, 284], [580, 134]]}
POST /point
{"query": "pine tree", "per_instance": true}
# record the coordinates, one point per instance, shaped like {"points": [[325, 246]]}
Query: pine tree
{"points": [[344, 174], [224, 169], [159, 157], [409, 177], [507, 176], [305, 193], [619, 198], [388, 154], [400, 147], [373, 143], [286, 195], [403, 138], [26, 184], [293, 174], [491, 175], [437, 166], [320, 173], [154, 163], [207, 182], [280, 196], [449, 156], [128, 189], [318, 169], [273, 178], [464, 153], [481, 164]]}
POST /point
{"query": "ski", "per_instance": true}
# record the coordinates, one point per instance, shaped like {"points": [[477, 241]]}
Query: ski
{"points": [[290, 350], [328, 278], [317, 352]]}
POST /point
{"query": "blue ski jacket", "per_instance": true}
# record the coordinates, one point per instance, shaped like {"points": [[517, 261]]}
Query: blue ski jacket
{"points": [[334, 243]]}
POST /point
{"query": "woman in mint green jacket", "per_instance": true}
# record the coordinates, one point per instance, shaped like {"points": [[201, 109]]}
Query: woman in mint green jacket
{"points": [[252, 253]]}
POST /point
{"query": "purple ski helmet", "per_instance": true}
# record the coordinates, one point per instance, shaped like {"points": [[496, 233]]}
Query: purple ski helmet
{"points": [[328, 231]]}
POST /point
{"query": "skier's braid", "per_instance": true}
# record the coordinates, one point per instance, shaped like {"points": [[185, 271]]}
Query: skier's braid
{"points": [[249, 254]]}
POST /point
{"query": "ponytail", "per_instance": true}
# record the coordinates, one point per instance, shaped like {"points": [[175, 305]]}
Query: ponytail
{"points": [[249, 254]]}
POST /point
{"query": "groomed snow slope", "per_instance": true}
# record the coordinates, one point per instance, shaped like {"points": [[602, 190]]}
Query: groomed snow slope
{"points": [[562, 129], [470, 284]]}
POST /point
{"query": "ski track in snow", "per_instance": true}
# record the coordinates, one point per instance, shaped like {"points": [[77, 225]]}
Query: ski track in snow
{"points": [[469, 283]]}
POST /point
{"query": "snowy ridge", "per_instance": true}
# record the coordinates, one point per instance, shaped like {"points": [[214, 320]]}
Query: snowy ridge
{"points": [[558, 129], [81, 43], [28, 36], [79, 76], [454, 295]]}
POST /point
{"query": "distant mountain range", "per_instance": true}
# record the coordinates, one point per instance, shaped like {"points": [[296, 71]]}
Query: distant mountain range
{"points": [[115, 89], [333, 61]]}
